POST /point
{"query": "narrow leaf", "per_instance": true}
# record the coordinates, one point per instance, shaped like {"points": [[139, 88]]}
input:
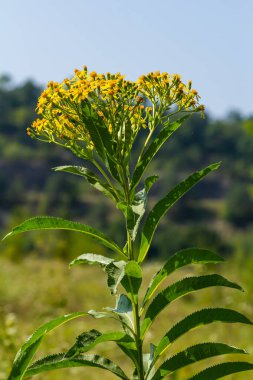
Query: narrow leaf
{"points": [[177, 261], [94, 126], [165, 204], [192, 355], [179, 289], [197, 319], [115, 269], [89, 339], [153, 148], [53, 223], [140, 203], [60, 361], [92, 178], [220, 370], [91, 259], [27, 351]]}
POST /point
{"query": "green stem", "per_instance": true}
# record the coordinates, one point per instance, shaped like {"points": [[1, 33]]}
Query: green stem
{"points": [[99, 167], [135, 303], [138, 340]]}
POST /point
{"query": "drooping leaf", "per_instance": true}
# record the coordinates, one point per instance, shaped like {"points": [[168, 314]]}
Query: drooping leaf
{"points": [[59, 361], [153, 148], [179, 289], [148, 360], [192, 355], [91, 259], [92, 178], [179, 260], [165, 204], [27, 351], [53, 223], [220, 370], [115, 271], [132, 279], [124, 310], [89, 339], [197, 319]]}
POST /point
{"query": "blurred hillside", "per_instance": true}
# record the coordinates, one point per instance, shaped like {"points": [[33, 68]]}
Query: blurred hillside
{"points": [[217, 214]]}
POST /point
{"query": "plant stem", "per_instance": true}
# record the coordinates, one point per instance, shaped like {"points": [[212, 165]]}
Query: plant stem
{"points": [[98, 166], [138, 340], [135, 303]]}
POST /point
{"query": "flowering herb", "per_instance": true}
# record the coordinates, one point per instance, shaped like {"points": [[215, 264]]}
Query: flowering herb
{"points": [[99, 117]]}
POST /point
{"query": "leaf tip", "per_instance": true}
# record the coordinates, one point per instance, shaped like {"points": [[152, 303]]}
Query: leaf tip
{"points": [[7, 236]]}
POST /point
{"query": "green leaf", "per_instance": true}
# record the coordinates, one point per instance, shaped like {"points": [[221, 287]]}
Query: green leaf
{"points": [[123, 310], [52, 223], [178, 290], [91, 259], [92, 178], [177, 261], [94, 125], [115, 271], [89, 339], [140, 203], [153, 148], [59, 361], [132, 279], [220, 370], [197, 319], [27, 351], [134, 212], [192, 355], [165, 204]]}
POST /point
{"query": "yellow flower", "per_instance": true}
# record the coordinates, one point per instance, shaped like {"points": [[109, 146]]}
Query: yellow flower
{"points": [[65, 107]]}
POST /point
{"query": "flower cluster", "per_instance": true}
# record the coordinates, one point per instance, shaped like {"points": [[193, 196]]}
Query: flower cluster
{"points": [[121, 106]]}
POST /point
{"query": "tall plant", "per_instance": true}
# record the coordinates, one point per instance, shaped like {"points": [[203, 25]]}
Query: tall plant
{"points": [[101, 118]]}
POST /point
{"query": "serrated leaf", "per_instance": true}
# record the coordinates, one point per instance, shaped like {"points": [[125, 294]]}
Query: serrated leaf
{"points": [[91, 177], [220, 370], [132, 279], [192, 355], [165, 204], [89, 339], [177, 261], [197, 319], [153, 148], [179, 289], [53, 223], [27, 351], [59, 361]]}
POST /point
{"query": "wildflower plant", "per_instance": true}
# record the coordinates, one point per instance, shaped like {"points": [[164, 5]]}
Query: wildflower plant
{"points": [[101, 119]]}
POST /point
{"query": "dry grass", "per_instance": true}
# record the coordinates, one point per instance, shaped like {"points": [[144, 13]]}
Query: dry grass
{"points": [[33, 291]]}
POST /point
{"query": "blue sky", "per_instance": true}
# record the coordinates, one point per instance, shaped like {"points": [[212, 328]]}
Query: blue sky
{"points": [[207, 41]]}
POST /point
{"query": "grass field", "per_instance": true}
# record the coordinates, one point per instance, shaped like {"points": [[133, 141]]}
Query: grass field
{"points": [[33, 291]]}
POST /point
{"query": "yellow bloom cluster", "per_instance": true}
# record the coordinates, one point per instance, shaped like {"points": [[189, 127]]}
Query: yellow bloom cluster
{"points": [[119, 105]]}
